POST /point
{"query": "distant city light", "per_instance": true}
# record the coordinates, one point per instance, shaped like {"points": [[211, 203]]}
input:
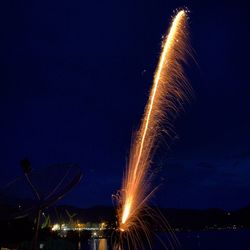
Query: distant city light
{"points": [[55, 227]]}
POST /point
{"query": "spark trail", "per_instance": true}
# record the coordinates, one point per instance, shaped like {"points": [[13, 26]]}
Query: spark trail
{"points": [[169, 93]]}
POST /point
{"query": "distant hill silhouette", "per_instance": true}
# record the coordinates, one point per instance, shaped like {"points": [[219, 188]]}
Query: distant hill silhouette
{"points": [[178, 218], [184, 219], [93, 214]]}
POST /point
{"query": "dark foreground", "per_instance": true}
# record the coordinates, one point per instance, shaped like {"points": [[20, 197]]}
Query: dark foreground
{"points": [[200, 240]]}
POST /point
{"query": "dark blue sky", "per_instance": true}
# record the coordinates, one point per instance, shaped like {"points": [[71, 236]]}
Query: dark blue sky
{"points": [[75, 76]]}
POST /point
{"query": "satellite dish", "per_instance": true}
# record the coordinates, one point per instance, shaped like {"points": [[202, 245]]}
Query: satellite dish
{"points": [[37, 190]]}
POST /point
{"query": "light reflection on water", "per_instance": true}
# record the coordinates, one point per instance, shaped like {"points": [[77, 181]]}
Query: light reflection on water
{"points": [[99, 244], [203, 240]]}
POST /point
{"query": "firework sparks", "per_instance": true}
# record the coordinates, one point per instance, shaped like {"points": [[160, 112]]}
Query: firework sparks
{"points": [[169, 92]]}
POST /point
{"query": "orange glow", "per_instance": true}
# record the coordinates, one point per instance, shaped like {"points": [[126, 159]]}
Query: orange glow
{"points": [[126, 211], [169, 92]]}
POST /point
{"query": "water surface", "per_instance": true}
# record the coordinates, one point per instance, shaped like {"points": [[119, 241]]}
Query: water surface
{"points": [[201, 240]]}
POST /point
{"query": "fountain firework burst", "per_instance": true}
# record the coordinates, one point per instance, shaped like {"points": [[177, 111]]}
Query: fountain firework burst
{"points": [[170, 91]]}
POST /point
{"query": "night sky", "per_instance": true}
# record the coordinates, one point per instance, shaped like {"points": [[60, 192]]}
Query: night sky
{"points": [[75, 77]]}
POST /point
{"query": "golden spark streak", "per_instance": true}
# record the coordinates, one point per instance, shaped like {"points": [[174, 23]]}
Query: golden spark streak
{"points": [[163, 58], [167, 96]]}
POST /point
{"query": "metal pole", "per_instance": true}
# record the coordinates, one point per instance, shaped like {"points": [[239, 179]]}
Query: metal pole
{"points": [[35, 240]]}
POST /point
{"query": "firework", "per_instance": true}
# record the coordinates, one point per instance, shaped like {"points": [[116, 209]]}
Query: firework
{"points": [[169, 93]]}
